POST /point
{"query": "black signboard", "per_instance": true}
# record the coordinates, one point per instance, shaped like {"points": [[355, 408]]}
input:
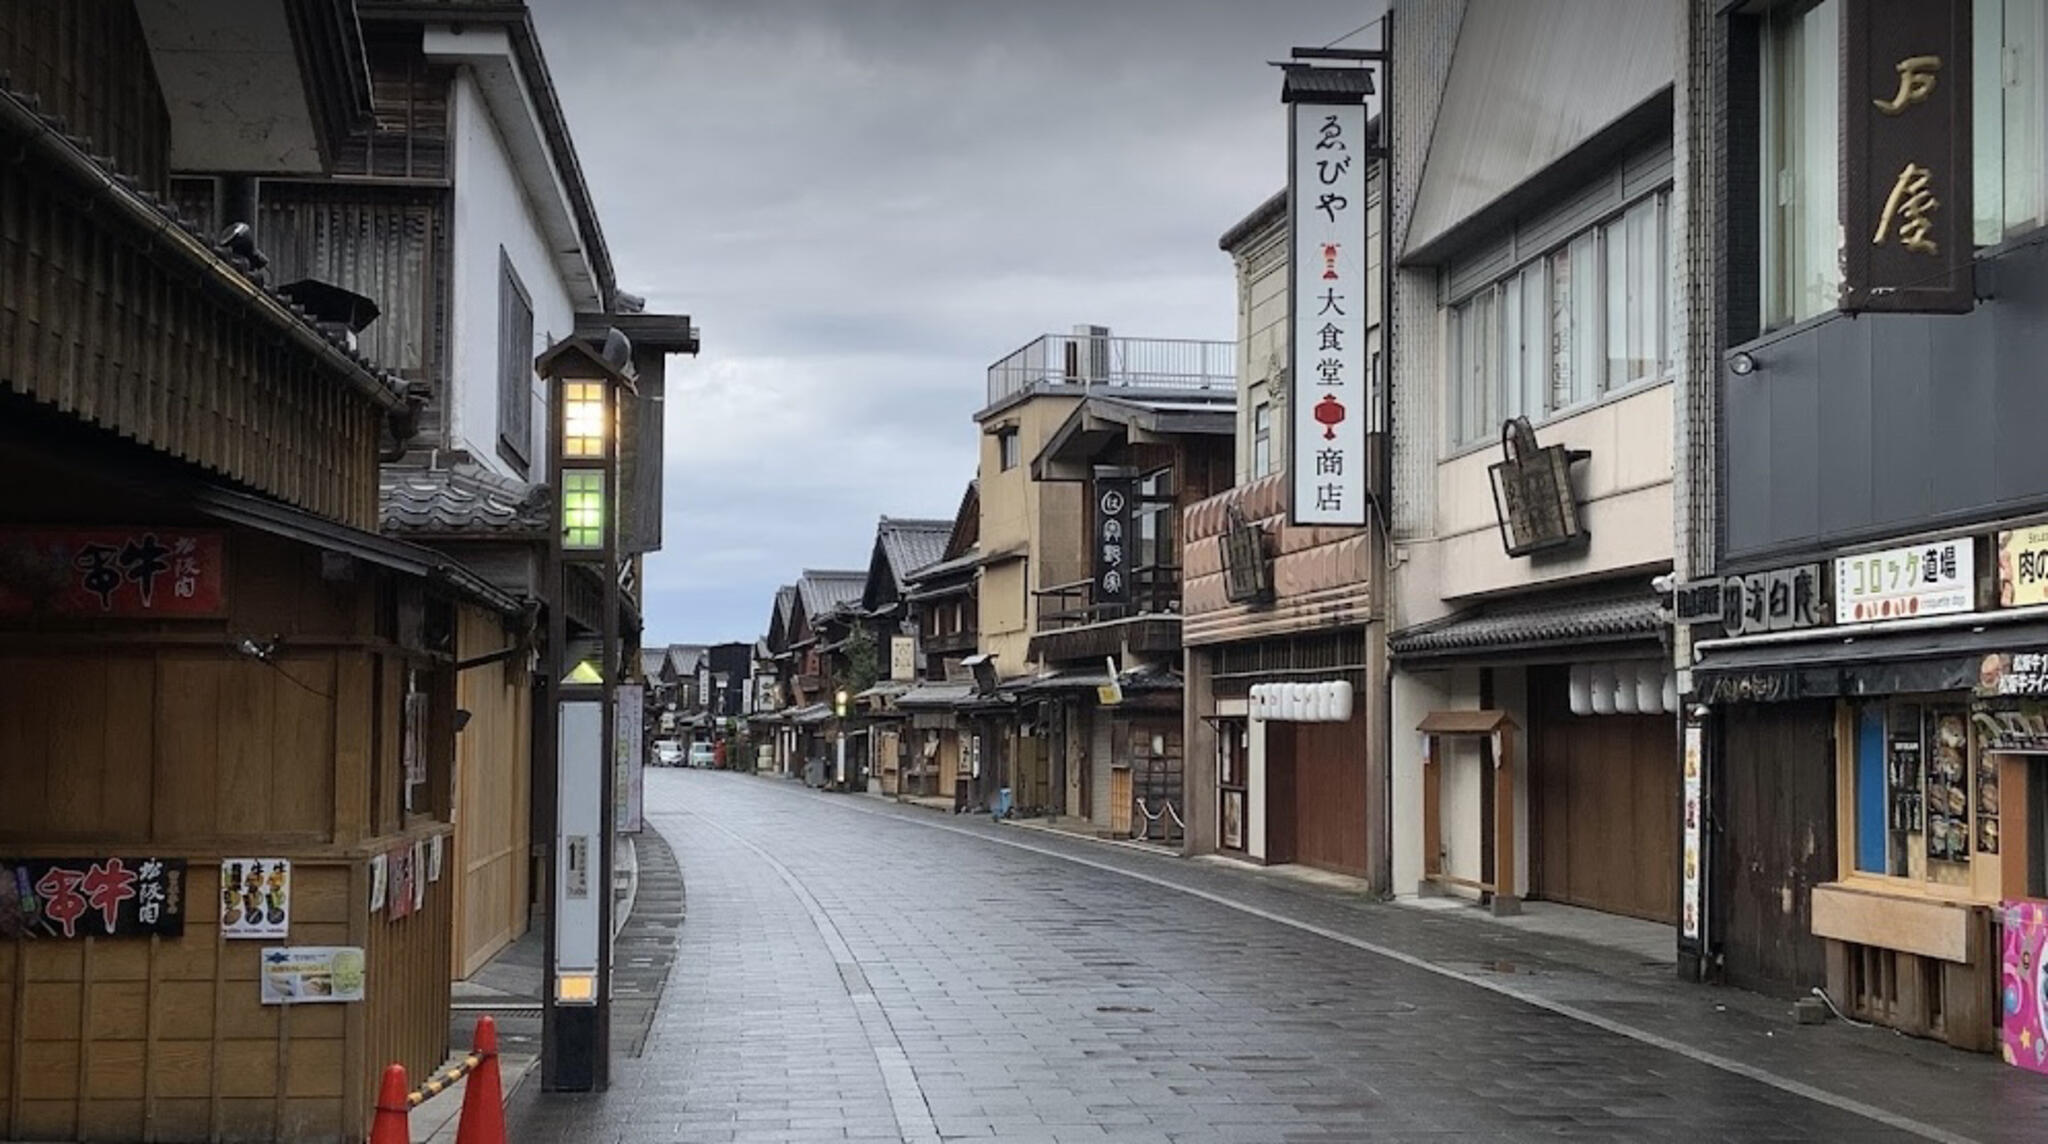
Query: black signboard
{"points": [[1114, 544], [1783, 599], [1532, 492], [1247, 570], [91, 897], [1906, 156]]}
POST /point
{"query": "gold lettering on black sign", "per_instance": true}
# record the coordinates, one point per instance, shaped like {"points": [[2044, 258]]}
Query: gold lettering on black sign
{"points": [[1916, 83], [1912, 205]]}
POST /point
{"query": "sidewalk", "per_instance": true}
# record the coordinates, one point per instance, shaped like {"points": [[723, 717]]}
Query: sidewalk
{"points": [[648, 896], [1624, 984]]}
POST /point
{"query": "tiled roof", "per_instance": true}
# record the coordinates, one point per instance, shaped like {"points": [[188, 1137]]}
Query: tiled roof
{"points": [[464, 499], [688, 657], [651, 660], [1615, 614], [824, 591], [912, 544]]}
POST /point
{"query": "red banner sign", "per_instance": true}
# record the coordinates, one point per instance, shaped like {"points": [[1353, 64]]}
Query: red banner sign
{"points": [[140, 572]]}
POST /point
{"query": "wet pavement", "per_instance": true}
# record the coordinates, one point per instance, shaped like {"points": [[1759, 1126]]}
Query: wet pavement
{"points": [[857, 970]]}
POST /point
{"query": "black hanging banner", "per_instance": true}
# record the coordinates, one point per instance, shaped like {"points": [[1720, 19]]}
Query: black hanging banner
{"points": [[1906, 135], [1112, 558]]}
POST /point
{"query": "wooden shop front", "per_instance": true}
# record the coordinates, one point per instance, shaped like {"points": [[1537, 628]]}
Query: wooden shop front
{"points": [[226, 735]]}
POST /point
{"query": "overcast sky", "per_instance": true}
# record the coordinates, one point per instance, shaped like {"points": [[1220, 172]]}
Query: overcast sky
{"points": [[865, 202]]}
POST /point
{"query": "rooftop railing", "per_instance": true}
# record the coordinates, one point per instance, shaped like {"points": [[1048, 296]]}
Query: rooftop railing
{"points": [[1100, 361]]}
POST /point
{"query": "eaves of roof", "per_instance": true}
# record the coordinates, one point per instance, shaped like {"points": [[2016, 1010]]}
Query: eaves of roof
{"points": [[1617, 614]]}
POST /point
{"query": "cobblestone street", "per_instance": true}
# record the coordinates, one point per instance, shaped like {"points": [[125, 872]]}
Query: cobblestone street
{"points": [[852, 969]]}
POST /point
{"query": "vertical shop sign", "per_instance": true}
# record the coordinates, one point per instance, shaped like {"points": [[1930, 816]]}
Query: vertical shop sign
{"points": [[1113, 542], [1693, 907], [1330, 147], [629, 763], [1907, 221]]}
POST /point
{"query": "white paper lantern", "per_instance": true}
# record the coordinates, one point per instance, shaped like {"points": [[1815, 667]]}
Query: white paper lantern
{"points": [[1650, 687], [1343, 712], [1603, 689], [1670, 692], [1297, 702], [1326, 702], [1625, 689], [1582, 689]]}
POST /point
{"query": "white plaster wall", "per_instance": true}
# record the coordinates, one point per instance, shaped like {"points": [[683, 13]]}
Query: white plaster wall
{"points": [[492, 211], [1262, 344], [1415, 695], [1625, 491]]}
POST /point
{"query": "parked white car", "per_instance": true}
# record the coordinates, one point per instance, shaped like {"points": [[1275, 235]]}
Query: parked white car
{"points": [[668, 753], [701, 755]]}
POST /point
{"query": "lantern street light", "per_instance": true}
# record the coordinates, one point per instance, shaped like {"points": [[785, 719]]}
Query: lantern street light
{"points": [[577, 723]]}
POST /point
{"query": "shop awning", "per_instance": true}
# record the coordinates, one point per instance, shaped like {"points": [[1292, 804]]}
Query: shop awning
{"points": [[935, 696], [283, 520], [1860, 660], [1087, 680], [1543, 627], [812, 715]]}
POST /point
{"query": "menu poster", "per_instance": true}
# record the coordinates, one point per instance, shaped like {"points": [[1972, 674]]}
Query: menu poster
{"points": [[1907, 812], [380, 876], [1948, 787], [313, 974], [419, 876], [1987, 804], [434, 858], [255, 898]]}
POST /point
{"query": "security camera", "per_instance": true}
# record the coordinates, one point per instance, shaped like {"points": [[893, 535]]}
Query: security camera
{"points": [[1665, 584]]}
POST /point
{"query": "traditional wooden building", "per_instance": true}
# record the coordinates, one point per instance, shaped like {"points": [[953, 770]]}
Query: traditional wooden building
{"points": [[1040, 538], [1141, 456], [229, 707], [462, 231], [940, 598], [901, 547]]}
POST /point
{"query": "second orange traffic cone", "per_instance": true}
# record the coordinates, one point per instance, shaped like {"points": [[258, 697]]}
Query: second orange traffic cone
{"points": [[483, 1098], [390, 1125]]}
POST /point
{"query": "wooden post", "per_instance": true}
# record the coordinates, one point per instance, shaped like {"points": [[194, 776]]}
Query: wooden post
{"points": [[1432, 814], [1505, 901]]}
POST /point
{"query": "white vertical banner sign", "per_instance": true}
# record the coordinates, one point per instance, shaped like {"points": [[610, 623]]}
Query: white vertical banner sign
{"points": [[628, 767], [1328, 388], [579, 778]]}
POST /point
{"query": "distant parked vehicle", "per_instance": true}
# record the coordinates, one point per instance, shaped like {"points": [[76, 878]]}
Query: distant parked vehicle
{"points": [[668, 753], [700, 755]]}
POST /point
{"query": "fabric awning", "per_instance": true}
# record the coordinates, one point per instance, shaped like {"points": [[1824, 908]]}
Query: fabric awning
{"points": [[1863, 662]]}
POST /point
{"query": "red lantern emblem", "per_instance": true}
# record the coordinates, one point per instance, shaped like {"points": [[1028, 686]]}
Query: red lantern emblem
{"points": [[1330, 260], [1329, 414]]}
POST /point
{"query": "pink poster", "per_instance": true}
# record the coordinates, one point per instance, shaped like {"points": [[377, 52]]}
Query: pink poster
{"points": [[2024, 985]]}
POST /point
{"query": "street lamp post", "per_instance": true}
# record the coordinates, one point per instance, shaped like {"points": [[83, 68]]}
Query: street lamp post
{"points": [[578, 737]]}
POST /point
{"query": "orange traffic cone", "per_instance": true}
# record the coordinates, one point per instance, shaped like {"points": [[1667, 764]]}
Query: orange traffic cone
{"points": [[483, 1098], [390, 1125]]}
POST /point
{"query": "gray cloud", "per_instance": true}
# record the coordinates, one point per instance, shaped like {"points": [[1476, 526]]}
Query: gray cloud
{"points": [[865, 202]]}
